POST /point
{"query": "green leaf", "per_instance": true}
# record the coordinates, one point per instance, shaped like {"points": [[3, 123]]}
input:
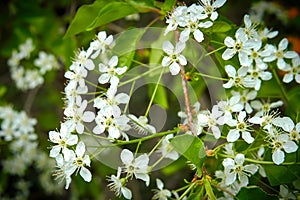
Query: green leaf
{"points": [[254, 193], [281, 174], [192, 148], [221, 27], [83, 17], [209, 190], [110, 12], [126, 45], [161, 96], [166, 6], [2, 90]]}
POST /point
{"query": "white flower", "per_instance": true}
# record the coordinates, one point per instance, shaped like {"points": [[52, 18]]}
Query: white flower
{"points": [[280, 142], [245, 97], [280, 54], [237, 78], [78, 162], [160, 193], [241, 127], [82, 60], [211, 6], [78, 115], [266, 34], [46, 62], [118, 185], [286, 194], [241, 46], [227, 108], [288, 125], [60, 173], [110, 71], [100, 44], [167, 150], [234, 168], [141, 124], [114, 125], [136, 166], [112, 100], [194, 27], [211, 119], [174, 58], [264, 107], [256, 75], [292, 71], [26, 49], [63, 139], [250, 29]]}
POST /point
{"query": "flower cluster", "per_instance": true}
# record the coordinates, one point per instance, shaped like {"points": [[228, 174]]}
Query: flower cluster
{"points": [[102, 115], [25, 76], [249, 132], [18, 132]]}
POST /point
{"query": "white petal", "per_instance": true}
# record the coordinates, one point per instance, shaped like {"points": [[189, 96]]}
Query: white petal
{"points": [[247, 137], [214, 16], [283, 44], [85, 174], [55, 151], [239, 159], [216, 132], [288, 78], [99, 129], [230, 70], [182, 60], [89, 64], [278, 156], [122, 98], [88, 116], [290, 54], [104, 78], [160, 184], [179, 47], [166, 61], [184, 35], [198, 35], [174, 68], [230, 178], [126, 192], [126, 156], [233, 135], [218, 3], [113, 61], [228, 54], [229, 42], [144, 177], [80, 149], [168, 47], [250, 168], [290, 146], [120, 70]]}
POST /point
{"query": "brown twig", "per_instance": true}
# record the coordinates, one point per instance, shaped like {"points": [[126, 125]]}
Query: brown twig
{"points": [[185, 93]]}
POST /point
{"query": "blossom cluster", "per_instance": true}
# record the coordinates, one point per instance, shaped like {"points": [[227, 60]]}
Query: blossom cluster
{"points": [[18, 132], [102, 115], [30, 75], [242, 119]]}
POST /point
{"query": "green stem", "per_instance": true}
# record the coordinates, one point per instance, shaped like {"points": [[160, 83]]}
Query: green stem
{"points": [[154, 93], [281, 87], [137, 77], [130, 93], [212, 77], [121, 142], [187, 191], [218, 49], [260, 161]]}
